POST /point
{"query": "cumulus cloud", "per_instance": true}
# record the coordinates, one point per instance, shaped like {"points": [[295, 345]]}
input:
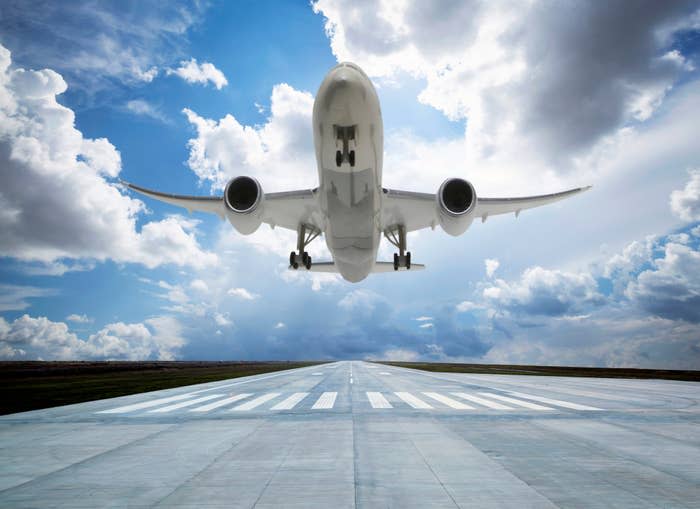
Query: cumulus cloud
{"points": [[79, 318], [203, 73], [242, 293], [556, 77], [30, 337], [57, 198], [685, 203], [491, 266]]}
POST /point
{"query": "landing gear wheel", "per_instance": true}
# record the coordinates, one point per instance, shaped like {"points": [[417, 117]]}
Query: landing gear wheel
{"points": [[304, 257], [351, 158], [408, 261], [292, 258], [396, 261], [338, 158], [307, 264]]}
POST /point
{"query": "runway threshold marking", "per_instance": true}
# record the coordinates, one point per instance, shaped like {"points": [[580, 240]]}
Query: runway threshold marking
{"points": [[377, 400], [145, 404], [452, 403], [290, 402], [518, 402], [412, 400], [555, 402], [482, 401], [253, 403], [187, 403], [220, 403], [326, 401]]}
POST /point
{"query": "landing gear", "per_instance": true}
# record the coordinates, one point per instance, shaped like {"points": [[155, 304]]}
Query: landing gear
{"points": [[345, 142], [397, 236], [305, 234]]}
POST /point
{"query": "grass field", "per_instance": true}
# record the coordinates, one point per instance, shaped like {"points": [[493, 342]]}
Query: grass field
{"points": [[33, 385], [503, 369]]}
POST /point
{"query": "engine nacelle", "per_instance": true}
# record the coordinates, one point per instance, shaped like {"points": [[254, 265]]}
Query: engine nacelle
{"points": [[456, 202], [244, 200]]}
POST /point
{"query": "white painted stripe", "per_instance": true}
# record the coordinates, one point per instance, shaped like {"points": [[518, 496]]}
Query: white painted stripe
{"points": [[187, 403], [290, 402], [327, 400], [555, 402], [412, 400], [249, 405], [145, 404], [257, 378], [384, 373], [514, 401], [452, 403], [317, 374], [371, 367], [377, 400], [218, 404], [481, 401]]}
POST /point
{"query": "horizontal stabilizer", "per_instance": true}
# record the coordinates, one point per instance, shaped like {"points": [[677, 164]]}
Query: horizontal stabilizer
{"points": [[329, 267]]}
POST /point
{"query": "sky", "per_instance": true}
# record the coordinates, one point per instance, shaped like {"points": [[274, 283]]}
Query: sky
{"points": [[517, 97]]}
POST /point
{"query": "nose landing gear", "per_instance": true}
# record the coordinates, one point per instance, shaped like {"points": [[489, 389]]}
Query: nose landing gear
{"points": [[345, 142], [305, 234], [397, 236]]}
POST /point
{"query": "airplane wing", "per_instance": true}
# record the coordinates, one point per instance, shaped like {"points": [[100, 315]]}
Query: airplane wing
{"points": [[416, 211], [286, 209]]}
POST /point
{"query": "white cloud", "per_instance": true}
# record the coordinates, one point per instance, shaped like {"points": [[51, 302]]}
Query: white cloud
{"points": [[79, 318], [426, 326], [468, 305], [242, 293], [424, 318], [199, 285], [14, 297], [280, 325], [55, 193], [685, 203], [143, 108], [38, 337], [222, 319], [203, 73], [491, 266]]}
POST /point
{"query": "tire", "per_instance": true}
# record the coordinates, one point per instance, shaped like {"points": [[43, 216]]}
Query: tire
{"points": [[304, 257], [396, 261], [292, 256], [351, 158], [308, 263], [295, 265], [338, 158], [408, 261]]}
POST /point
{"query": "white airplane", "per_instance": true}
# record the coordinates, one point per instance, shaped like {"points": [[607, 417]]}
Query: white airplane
{"points": [[350, 206]]}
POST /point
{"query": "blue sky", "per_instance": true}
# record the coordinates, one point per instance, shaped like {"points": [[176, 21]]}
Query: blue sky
{"points": [[523, 100]]}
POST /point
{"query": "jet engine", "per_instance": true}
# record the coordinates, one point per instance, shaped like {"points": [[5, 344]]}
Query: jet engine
{"points": [[244, 200], [456, 202]]}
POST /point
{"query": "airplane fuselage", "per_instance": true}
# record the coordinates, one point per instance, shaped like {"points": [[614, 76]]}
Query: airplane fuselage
{"points": [[349, 144]]}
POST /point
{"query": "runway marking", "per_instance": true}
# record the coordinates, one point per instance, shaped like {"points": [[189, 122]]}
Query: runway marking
{"points": [[526, 404], [412, 400], [145, 404], [290, 402], [316, 374], [452, 403], [253, 403], [218, 404], [555, 402], [371, 367], [481, 401], [384, 373], [257, 378], [377, 400], [187, 403], [326, 401]]}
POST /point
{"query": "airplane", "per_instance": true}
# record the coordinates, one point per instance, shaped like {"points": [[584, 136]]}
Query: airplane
{"points": [[350, 207]]}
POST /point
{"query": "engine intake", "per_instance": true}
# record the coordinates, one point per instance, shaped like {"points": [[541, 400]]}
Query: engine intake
{"points": [[244, 200], [456, 204]]}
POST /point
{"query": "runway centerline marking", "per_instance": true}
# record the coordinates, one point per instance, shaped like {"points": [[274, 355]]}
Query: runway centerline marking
{"points": [[384, 373], [326, 401], [316, 374], [555, 402], [377, 400], [187, 403], [145, 404], [518, 402], [290, 402], [412, 400], [218, 404], [482, 401], [253, 403], [452, 403]]}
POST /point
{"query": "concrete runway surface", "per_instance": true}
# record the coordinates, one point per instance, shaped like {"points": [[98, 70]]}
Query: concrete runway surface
{"points": [[356, 434]]}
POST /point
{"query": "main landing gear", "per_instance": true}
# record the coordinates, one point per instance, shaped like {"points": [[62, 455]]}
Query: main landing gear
{"points": [[397, 236], [345, 143], [305, 234]]}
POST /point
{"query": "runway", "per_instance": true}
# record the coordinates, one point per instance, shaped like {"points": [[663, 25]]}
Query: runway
{"points": [[357, 434]]}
